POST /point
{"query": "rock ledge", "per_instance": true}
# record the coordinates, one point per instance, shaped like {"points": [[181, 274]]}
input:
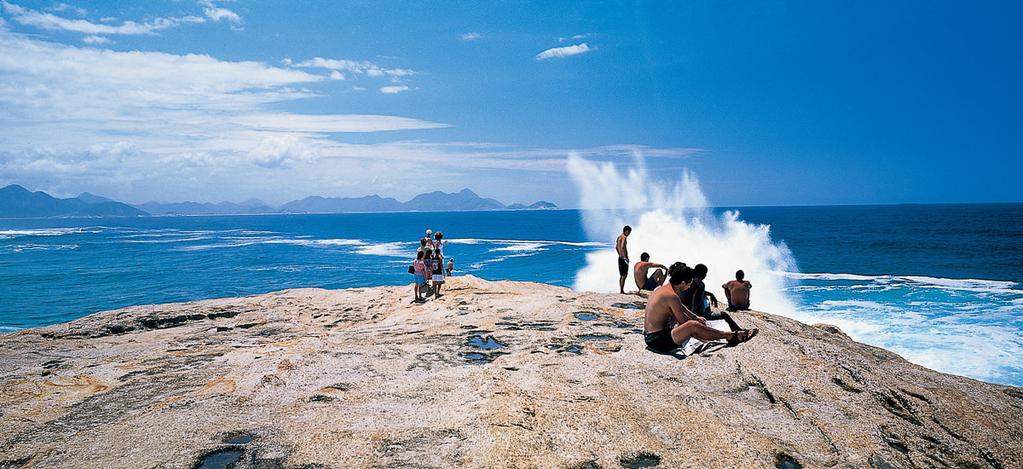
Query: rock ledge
{"points": [[494, 374]]}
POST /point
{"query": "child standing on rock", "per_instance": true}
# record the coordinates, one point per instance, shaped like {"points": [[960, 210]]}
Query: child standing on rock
{"points": [[419, 271]]}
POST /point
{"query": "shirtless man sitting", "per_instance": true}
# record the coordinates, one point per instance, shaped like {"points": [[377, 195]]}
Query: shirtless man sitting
{"points": [[640, 272], [737, 292], [664, 306]]}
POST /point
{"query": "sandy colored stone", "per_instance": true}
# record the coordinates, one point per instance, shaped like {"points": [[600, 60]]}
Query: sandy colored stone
{"points": [[362, 378]]}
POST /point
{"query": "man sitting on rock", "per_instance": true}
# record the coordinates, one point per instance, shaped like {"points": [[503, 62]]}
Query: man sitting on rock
{"points": [[696, 298], [737, 292], [664, 306], [641, 270]]}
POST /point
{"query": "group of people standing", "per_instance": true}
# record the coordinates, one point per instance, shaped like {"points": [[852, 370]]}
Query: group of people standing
{"points": [[428, 268], [680, 304]]}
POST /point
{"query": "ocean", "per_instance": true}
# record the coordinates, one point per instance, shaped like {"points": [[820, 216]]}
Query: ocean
{"points": [[938, 284]]}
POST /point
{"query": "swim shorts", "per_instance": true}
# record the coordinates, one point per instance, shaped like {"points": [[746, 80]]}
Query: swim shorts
{"points": [[660, 341], [650, 284], [623, 267], [732, 307]]}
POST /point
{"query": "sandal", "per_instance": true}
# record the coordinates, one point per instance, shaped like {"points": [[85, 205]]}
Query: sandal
{"points": [[747, 334]]}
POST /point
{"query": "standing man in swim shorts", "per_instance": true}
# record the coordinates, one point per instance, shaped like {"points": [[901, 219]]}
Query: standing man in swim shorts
{"points": [[623, 257]]}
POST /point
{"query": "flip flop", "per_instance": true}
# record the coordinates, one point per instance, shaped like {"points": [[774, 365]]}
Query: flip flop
{"points": [[747, 335]]}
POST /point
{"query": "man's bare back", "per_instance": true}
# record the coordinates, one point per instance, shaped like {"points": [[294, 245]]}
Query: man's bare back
{"points": [[662, 307], [640, 275], [737, 293]]}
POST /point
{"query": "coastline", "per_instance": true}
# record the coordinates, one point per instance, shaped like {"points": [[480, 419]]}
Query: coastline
{"points": [[494, 373]]}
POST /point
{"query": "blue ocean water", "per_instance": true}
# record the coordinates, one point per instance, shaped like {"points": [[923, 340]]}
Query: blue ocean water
{"points": [[939, 285]]}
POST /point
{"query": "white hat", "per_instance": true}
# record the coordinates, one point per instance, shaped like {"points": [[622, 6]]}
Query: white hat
{"points": [[429, 231]]}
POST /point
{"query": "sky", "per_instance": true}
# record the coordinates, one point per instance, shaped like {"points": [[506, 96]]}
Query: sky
{"points": [[768, 103]]}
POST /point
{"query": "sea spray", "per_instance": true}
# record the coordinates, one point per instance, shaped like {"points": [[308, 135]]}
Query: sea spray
{"points": [[963, 326], [672, 222]]}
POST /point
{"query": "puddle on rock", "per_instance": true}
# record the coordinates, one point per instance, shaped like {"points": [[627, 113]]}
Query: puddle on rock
{"points": [[586, 315], [479, 358], [220, 459], [240, 438], [630, 305], [596, 337], [639, 460], [484, 342], [573, 348], [785, 461], [488, 346]]}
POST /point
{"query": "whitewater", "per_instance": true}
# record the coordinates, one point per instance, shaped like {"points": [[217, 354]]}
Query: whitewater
{"points": [[970, 327]]}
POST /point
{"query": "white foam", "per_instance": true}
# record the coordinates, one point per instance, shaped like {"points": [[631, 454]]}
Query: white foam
{"points": [[46, 232], [522, 247], [961, 284], [166, 240], [521, 241], [393, 249], [671, 222], [480, 264], [318, 242], [43, 247], [978, 339]]}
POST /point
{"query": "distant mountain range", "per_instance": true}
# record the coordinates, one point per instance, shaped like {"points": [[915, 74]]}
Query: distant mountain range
{"points": [[18, 202]]}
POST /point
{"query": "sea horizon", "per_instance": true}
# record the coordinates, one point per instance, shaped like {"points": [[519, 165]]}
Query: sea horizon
{"points": [[881, 290]]}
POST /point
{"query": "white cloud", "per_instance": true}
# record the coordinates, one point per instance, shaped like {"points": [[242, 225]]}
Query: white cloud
{"points": [[393, 89], [52, 22], [567, 51], [281, 151], [65, 7], [471, 36], [575, 38], [336, 75], [354, 67], [68, 114], [331, 123], [96, 40], [215, 13]]}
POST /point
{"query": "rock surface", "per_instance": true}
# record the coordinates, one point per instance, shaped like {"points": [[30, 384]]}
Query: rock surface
{"points": [[493, 374]]}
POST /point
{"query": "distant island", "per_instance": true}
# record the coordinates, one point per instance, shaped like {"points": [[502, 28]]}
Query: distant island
{"points": [[19, 202]]}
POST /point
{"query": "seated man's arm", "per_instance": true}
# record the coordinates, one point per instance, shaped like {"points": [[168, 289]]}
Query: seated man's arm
{"points": [[728, 294], [679, 310]]}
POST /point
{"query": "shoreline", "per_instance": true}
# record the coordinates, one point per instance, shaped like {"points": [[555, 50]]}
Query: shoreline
{"points": [[6, 330], [492, 373]]}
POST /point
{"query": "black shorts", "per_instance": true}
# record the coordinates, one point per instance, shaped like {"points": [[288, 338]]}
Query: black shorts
{"points": [[650, 284], [660, 341], [623, 267]]}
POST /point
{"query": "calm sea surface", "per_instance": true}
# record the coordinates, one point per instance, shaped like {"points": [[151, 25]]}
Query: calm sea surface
{"points": [[938, 284]]}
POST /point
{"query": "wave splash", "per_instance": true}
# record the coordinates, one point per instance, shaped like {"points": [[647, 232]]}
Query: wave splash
{"points": [[671, 221]]}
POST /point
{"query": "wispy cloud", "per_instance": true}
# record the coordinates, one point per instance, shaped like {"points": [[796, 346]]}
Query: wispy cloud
{"points": [[567, 51], [82, 113], [393, 89], [576, 37], [218, 13], [471, 36], [51, 22], [340, 67], [60, 7], [92, 39]]}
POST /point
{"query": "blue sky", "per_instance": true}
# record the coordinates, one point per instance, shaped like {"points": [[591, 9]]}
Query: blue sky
{"points": [[768, 102]]}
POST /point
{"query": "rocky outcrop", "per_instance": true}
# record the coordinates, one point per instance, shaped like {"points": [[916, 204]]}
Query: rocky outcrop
{"points": [[493, 374]]}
